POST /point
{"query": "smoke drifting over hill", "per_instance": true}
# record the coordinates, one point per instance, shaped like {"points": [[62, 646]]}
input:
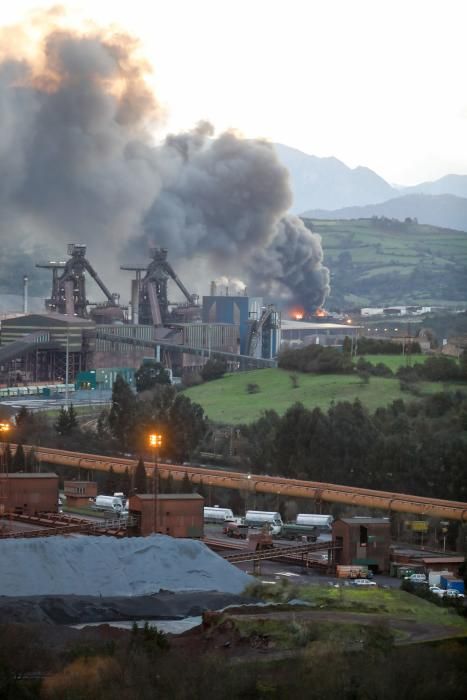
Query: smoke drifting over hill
{"points": [[77, 163]]}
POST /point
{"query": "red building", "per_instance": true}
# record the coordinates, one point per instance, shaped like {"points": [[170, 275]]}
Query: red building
{"points": [[78, 493], [175, 514], [364, 542], [22, 492]]}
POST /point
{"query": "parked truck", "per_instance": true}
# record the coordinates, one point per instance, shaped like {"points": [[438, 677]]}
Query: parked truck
{"points": [[110, 504], [218, 515], [292, 531], [352, 571], [259, 518], [449, 583], [315, 519], [236, 530]]}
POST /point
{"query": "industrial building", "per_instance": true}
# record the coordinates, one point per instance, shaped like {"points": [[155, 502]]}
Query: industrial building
{"points": [[174, 514], [29, 494], [73, 338], [320, 333], [78, 493], [363, 541]]}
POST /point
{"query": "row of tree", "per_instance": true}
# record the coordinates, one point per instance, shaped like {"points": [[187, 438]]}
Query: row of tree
{"points": [[417, 447]]}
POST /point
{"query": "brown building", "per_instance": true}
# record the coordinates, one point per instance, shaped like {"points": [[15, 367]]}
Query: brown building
{"points": [[78, 493], [176, 514], [363, 541], [28, 493]]}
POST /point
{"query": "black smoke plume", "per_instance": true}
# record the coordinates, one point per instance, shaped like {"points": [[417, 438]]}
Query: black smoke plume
{"points": [[78, 164]]}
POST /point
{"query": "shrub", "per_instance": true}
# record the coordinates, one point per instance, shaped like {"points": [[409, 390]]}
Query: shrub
{"points": [[252, 388]]}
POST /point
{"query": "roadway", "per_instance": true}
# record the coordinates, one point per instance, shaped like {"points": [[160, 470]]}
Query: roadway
{"points": [[260, 483]]}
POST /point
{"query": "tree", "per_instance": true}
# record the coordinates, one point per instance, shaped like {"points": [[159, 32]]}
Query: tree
{"points": [[140, 480], [347, 346], [186, 428], [66, 421], [32, 463], [213, 369], [123, 412], [169, 485], [186, 484], [72, 418], [24, 420], [19, 459], [62, 423], [126, 482], [149, 374], [111, 482], [7, 457], [102, 423], [463, 366]]}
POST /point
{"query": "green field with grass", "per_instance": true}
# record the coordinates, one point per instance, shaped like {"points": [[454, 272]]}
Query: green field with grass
{"points": [[394, 361], [228, 400], [344, 615], [375, 262]]}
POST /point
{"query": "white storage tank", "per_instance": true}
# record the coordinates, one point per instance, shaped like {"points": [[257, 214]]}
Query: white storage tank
{"points": [[261, 517], [215, 514], [315, 519]]}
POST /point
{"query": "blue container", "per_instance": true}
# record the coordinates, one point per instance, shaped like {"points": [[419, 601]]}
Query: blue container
{"points": [[451, 583]]}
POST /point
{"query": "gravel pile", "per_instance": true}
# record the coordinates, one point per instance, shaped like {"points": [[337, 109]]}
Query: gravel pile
{"points": [[107, 566]]}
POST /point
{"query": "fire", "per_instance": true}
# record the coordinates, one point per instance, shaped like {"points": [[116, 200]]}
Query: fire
{"points": [[320, 312], [297, 314]]}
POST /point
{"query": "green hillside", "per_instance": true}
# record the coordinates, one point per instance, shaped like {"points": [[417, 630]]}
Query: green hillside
{"points": [[228, 400], [383, 261]]}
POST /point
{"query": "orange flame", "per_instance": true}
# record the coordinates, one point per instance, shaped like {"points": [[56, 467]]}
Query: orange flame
{"points": [[297, 313], [320, 312]]}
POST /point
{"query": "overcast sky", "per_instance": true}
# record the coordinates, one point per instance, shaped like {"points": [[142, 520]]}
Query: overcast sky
{"points": [[380, 83]]}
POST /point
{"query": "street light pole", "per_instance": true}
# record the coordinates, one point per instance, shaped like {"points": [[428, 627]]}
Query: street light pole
{"points": [[155, 441]]}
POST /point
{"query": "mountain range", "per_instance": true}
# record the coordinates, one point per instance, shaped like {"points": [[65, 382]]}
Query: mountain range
{"points": [[326, 188]]}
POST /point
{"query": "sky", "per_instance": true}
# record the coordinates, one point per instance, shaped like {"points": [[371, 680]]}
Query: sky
{"points": [[379, 83]]}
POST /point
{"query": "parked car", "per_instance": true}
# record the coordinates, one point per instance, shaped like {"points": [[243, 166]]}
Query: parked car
{"points": [[452, 593], [416, 578], [363, 582], [436, 590]]}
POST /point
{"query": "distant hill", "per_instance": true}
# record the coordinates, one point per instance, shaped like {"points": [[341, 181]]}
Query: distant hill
{"points": [[328, 183], [449, 184], [447, 211], [382, 262]]}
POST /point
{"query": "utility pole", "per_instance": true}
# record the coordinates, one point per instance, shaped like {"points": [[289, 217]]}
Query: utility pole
{"points": [[155, 441], [67, 365]]}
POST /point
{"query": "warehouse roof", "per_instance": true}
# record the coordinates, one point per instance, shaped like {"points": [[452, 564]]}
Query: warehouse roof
{"points": [[309, 326]]}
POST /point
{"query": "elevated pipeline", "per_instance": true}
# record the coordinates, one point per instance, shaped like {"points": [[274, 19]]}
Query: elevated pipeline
{"points": [[280, 486]]}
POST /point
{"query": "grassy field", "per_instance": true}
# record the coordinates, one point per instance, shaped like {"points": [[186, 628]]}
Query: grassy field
{"points": [[345, 616], [227, 400], [395, 361], [374, 262]]}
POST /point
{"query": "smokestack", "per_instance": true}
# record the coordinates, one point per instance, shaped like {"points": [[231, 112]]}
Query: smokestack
{"points": [[213, 289], [135, 302], [25, 294]]}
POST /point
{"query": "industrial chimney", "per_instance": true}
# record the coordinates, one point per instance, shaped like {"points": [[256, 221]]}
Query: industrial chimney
{"points": [[25, 294], [213, 289]]}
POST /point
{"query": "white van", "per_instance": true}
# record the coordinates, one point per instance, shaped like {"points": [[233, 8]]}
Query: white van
{"points": [[112, 504]]}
